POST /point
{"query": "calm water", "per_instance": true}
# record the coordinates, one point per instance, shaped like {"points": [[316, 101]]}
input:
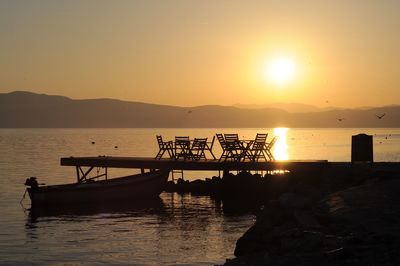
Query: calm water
{"points": [[174, 230]]}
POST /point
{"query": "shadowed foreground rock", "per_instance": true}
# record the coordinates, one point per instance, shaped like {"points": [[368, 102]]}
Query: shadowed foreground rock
{"points": [[359, 225]]}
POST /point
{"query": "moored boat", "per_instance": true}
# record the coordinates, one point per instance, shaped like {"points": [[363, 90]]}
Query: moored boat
{"points": [[122, 189]]}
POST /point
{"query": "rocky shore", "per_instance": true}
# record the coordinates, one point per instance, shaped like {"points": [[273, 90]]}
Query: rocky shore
{"points": [[347, 216]]}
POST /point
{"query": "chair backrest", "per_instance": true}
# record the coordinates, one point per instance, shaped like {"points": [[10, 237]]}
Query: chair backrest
{"points": [[182, 141], [199, 143], [232, 141], [272, 142], [160, 140], [259, 141], [185, 138], [221, 140], [261, 138], [231, 137]]}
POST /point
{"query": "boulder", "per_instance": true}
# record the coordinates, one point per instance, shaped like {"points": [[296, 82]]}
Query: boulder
{"points": [[355, 226], [293, 201]]}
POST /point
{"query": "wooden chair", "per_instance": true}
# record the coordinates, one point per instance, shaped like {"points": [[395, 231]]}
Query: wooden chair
{"points": [[234, 147], [231, 138], [258, 148], [164, 146], [228, 148], [225, 151], [182, 148], [268, 147], [198, 147], [209, 147]]}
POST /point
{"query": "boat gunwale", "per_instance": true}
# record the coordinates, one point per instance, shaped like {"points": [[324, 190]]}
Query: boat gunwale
{"points": [[100, 184]]}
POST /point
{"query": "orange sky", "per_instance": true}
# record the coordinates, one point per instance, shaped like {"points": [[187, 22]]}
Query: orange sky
{"points": [[203, 52]]}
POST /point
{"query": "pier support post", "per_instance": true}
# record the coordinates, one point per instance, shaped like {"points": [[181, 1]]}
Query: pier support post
{"points": [[225, 173]]}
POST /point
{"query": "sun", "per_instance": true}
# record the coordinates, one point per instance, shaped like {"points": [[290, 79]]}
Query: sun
{"points": [[280, 70]]}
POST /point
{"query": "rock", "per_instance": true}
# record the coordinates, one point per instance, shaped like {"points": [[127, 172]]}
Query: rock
{"points": [[373, 207], [293, 201], [306, 220], [301, 241], [355, 226], [197, 187], [170, 186], [182, 185], [251, 242]]}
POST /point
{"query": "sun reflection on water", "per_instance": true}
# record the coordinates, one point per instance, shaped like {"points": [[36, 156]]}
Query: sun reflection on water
{"points": [[280, 149]]}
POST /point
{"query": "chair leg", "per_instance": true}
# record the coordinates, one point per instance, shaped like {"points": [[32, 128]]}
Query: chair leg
{"points": [[212, 154], [223, 156], [261, 155], [229, 155], [269, 155], [253, 156], [171, 153], [201, 155], [160, 154], [264, 155]]}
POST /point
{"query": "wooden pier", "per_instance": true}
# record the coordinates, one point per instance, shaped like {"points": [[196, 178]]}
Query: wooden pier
{"points": [[214, 165], [199, 165], [85, 165]]}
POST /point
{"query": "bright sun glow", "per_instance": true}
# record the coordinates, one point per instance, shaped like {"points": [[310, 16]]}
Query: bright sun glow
{"points": [[280, 70], [280, 150]]}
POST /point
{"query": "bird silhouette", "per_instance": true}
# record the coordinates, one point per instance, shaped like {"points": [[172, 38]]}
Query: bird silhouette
{"points": [[341, 119], [380, 116]]}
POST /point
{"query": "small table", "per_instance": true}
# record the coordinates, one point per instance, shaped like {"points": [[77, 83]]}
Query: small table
{"points": [[246, 149], [182, 148]]}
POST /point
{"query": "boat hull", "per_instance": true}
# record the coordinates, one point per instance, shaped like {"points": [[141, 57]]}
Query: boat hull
{"points": [[123, 189]]}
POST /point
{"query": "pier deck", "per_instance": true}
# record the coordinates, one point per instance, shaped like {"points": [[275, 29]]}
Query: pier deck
{"points": [[205, 165], [305, 166]]}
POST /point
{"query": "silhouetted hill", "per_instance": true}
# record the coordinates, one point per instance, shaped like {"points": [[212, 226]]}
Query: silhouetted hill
{"points": [[289, 107], [26, 109]]}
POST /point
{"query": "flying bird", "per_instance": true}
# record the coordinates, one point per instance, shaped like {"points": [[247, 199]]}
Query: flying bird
{"points": [[380, 116]]}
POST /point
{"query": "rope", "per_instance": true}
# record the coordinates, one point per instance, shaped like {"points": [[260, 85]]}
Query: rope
{"points": [[23, 197]]}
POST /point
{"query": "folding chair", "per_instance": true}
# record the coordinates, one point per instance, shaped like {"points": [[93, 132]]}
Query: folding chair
{"points": [[164, 146], [209, 147], [268, 147], [182, 148], [234, 147], [225, 151], [257, 149], [197, 149]]}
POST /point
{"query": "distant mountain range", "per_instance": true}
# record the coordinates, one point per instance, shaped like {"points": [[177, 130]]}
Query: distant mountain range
{"points": [[289, 107], [30, 110]]}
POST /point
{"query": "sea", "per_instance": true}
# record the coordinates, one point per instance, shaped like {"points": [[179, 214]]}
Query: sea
{"points": [[174, 230]]}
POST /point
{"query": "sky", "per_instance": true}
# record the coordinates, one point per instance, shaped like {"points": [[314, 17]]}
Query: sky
{"points": [[187, 53]]}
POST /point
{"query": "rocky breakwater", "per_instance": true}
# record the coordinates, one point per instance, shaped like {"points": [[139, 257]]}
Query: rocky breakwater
{"points": [[243, 190], [349, 217]]}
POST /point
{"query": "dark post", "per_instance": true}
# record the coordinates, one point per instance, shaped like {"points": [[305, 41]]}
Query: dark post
{"points": [[225, 173], [362, 148]]}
